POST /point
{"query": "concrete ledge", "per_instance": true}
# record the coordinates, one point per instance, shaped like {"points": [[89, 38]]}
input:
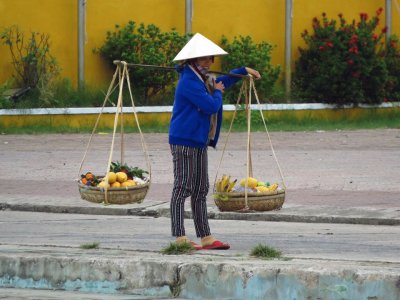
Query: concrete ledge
{"points": [[290, 213], [168, 108], [151, 115], [194, 276]]}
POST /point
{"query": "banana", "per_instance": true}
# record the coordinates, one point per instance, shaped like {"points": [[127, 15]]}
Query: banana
{"points": [[221, 184], [273, 187], [224, 185], [231, 185], [217, 185], [227, 183], [224, 180]]}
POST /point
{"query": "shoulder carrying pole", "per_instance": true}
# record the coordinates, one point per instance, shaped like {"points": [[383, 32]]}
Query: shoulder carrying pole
{"points": [[118, 62]]}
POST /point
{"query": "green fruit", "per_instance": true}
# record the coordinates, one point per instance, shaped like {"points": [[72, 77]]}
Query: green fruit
{"points": [[260, 183]]}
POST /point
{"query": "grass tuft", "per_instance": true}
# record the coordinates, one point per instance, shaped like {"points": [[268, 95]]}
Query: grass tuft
{"points": [[93, 245], [265, 252], [176, 249]]}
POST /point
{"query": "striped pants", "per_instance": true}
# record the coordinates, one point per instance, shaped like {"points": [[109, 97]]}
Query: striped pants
{"points": [[190, 179]]}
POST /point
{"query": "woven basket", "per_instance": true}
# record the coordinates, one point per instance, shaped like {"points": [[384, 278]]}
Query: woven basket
{"points": [[256, 201], [132, 194]]}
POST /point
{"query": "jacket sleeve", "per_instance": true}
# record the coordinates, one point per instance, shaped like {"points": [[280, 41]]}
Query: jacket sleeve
{"points": [[197, 94], [228, 81]]}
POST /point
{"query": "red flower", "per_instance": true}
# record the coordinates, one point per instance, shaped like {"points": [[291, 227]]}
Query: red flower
{"points": [[363, 16], [379, 11], [384, 29], [354, 38], [374, 36], [321, 48], [353, 50], [329, 44], [350, 62]]}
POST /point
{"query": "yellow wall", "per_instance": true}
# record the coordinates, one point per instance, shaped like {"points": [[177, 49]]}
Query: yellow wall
{"points": [[264, 20]]}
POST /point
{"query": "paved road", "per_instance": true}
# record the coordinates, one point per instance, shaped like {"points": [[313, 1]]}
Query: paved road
{"points": [[373, 243], [329, 175], [338, 168]]}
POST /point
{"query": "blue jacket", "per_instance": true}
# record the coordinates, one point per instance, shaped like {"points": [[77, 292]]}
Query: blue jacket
{"points": [[193, 107]]}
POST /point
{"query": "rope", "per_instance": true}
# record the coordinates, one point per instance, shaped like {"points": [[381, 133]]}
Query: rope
{"points": [[144, 147], [266, 129], [122, 73], [248, 110], [109, 92], [119, 109], [246, 89], [229, 131]]}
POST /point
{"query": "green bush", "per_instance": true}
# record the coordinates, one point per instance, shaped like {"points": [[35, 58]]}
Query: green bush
{"points": [[5, 101], [140, 44], [33, 64], [63, 94], [392, 60], [244, 52], [341, 64]]}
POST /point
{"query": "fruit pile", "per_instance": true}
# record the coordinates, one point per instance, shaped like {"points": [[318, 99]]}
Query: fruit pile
{"points": [[119, 176], [225, 185]]}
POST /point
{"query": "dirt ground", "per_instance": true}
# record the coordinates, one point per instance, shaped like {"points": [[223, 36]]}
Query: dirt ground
{"points": [[341, 168]]}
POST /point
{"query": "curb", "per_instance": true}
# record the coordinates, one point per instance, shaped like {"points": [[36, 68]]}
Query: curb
{"points": [[194, 276], [161, 210]]}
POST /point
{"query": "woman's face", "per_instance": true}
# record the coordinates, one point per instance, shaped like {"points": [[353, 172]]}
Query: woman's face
{"points": [[205, 62]]}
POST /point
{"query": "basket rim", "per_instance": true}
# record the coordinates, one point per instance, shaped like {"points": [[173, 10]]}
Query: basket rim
{"points": [[251, 194], [116, 189]]}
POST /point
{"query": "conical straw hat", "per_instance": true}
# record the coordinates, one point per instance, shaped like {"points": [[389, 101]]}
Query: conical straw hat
{"points": [[199, 46]]}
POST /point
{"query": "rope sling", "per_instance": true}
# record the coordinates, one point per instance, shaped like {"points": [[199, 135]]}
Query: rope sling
{"points": [[123, 75], [247, 89]]}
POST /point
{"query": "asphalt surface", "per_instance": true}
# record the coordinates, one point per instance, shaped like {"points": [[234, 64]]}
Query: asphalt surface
{"points": [[342, 198], [327, 174]]}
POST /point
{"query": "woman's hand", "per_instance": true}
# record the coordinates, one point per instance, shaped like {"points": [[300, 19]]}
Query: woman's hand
{"points": [[253, 73], [219, 86]]}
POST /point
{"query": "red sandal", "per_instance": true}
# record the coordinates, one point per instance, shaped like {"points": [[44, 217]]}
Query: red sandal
{"points": [[217, 245], [196, 246]]}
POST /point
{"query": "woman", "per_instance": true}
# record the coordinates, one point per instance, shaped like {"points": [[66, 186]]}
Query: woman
{"points": [[195, 125]]}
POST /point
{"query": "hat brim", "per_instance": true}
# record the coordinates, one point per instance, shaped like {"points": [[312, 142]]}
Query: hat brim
{"points": [[199, 46]]}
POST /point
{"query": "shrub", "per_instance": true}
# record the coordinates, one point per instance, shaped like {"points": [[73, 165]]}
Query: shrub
{"points": [[392, 60], [341, 64], [244, 52], [5, 101], [31, 57], [140, 44], [63, 94]]}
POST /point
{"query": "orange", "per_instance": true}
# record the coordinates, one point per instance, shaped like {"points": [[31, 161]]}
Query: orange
{"points": [[84, 181], [116, 185], [103, 184], [112, 177], [132, 182], [122, 177]]}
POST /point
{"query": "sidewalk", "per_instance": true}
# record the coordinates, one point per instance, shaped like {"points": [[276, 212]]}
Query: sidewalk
{"points": [[368, 215], [342, 177], [339, 177]]}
